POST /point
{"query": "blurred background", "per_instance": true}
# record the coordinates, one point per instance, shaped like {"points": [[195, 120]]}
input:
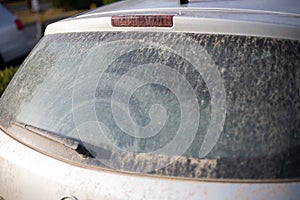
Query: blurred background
{"points": [[22, 24]]}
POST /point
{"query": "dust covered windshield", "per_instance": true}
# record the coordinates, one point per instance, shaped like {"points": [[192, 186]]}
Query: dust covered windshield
{"points": [[173, 104]]}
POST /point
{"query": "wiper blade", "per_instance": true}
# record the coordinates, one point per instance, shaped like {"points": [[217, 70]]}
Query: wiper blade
{"points": [[69, 142]]}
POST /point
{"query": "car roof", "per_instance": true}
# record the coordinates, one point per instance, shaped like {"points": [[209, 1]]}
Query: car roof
{"points": [[290, 7], [267, 18]]}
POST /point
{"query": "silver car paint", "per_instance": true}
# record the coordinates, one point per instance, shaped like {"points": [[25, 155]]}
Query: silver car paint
{"points": [[32, 175]]}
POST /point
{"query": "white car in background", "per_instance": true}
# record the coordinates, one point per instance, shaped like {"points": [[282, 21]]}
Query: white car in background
{"points": [[13, 42], [158, 100]]}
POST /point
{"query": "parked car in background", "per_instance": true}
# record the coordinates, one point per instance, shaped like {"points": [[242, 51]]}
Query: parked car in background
{"points": [[158, 100], [13, 42]]}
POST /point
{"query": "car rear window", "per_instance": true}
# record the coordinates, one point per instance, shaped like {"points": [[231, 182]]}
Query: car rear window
{"points": [[172, 104]]}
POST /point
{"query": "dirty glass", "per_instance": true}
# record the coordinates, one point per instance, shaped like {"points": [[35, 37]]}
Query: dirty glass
{"points": [[173, 104]]}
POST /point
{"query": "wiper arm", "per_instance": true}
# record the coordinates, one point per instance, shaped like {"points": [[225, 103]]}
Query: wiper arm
{"points": [[69, 142]]}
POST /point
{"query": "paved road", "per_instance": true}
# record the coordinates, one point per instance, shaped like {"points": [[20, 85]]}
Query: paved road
{"points": [[30, 32]]}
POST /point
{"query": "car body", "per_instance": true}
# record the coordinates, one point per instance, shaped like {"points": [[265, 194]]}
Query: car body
{"points": [[13, 43], [158, 100]]}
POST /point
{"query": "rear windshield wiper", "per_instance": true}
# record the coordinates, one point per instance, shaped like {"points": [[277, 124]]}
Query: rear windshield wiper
{"points": [[69, 142]]}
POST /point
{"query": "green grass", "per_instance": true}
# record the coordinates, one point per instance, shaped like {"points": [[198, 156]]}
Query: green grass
{"points": [[109, 1], [5, 77]]}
